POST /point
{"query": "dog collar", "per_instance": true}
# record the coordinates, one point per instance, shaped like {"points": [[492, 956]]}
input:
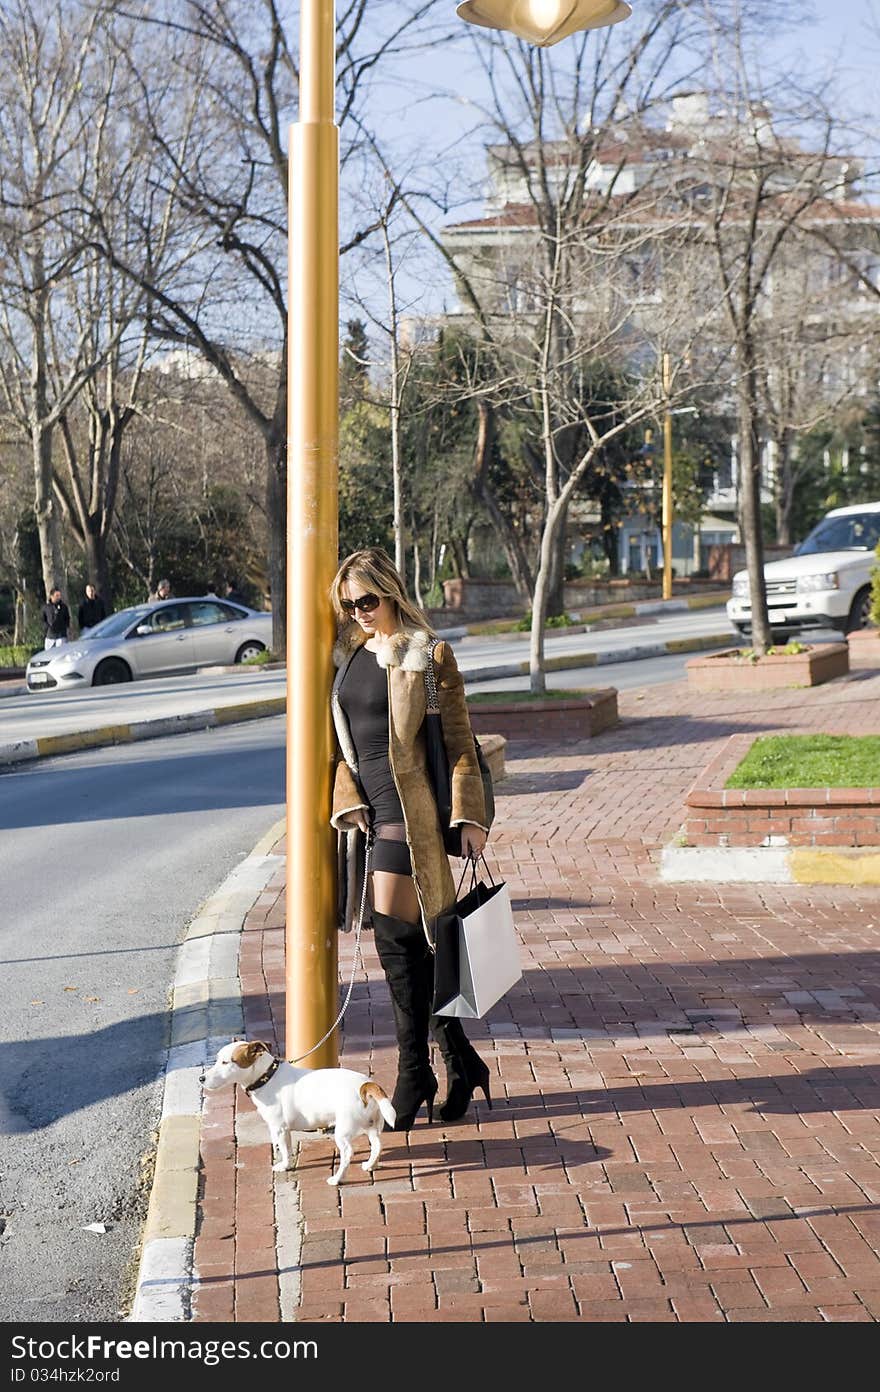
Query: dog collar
{"points": [[270, 1073]]}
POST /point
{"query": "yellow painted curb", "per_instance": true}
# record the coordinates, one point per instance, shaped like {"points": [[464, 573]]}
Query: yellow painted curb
{"points": [[569, 661], [273, 835], [172, 1211], [705, 601], [250, 710], [819, 866], [83, 739], [705, 640]]}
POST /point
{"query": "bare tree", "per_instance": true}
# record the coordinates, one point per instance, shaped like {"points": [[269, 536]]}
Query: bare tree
{"points": [[234, 183], [547, 283], [46, 106], [758, 185], [74, 333]]}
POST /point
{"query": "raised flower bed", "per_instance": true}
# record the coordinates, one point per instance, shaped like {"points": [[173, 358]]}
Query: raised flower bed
{"points": [[719, 816], [738, 669], [518, 716]]}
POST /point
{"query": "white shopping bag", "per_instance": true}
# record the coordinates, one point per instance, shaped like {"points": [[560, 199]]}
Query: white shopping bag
{"points": [[477, 954]]}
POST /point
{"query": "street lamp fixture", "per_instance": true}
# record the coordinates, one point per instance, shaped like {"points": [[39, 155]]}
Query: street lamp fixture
{"points": [[543, 22]]}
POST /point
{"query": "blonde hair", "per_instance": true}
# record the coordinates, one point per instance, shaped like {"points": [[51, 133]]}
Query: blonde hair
{"points": [[374, 569]]}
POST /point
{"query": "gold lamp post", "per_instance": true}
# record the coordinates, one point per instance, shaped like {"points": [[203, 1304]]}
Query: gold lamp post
{"points": [[667, 484], [312, 491], [312, 540]]}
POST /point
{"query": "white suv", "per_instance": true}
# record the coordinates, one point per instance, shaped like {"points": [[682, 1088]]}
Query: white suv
{"points": [[826, 583]]}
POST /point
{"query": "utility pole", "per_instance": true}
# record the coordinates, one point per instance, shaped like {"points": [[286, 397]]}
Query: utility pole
{"points": [[667, 483]]}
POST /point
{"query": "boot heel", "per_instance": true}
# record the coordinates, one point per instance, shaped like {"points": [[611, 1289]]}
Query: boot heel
{"points": [[429, 1102], [484, 1088]]}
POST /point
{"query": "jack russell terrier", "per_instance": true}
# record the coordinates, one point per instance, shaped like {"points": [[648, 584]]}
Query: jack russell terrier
{"points": [[305, 1099]]}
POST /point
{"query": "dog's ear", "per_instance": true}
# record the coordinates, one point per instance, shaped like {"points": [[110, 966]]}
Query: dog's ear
{"points": [[246, 1055]]}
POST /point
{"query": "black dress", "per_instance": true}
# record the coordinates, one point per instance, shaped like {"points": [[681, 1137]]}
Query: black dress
{"points": [[363, 695]]}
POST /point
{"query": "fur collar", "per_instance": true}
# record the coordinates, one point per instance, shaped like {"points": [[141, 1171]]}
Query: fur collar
{"points": [[408, 649]]}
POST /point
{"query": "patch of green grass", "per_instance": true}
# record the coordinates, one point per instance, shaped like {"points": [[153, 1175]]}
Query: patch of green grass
{"points": [[482, 696], [555, 621], [16, 656], [810, 761]]}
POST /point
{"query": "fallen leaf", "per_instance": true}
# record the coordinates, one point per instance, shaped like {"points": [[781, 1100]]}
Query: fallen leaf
{"points": [[71, 988], [95, 1227], [134, 990], [38, 1002], [92, 998]]}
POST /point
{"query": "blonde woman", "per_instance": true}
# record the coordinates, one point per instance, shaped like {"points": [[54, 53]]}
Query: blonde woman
{"points": [[381, 781]]}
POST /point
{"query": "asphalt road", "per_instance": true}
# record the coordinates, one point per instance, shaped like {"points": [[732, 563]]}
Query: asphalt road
{"points": [[32, 714], [105, 857]]}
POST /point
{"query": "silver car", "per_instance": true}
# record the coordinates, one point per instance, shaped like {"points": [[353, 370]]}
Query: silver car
{"points": [[153, 640]]}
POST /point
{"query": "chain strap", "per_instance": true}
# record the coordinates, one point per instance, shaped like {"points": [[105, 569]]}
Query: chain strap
{"points": [[357, 951], [431, 686]]}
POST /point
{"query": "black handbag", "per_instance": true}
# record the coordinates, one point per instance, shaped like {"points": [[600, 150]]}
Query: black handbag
{"points": [[438, 767]]}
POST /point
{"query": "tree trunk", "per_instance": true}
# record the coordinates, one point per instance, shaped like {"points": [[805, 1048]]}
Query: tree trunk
{"points": [[514, 550], [459, 556], [276, 517], [556, 580], [750, 498], [44, 507], [554, 520], [783, 493]]}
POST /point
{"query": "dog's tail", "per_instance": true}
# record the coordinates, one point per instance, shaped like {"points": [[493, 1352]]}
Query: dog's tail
{"points": [[380, 1097]]}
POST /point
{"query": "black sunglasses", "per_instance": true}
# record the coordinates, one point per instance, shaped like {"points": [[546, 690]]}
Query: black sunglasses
{"points": [[367, 603]]}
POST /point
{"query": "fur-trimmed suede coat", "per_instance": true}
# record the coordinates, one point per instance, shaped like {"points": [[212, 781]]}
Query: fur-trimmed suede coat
{"points": [[405, 656]]}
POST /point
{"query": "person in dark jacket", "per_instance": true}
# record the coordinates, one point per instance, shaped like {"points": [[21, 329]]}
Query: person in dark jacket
{"points": [[91, 610], [56, 618], [234, 594]]}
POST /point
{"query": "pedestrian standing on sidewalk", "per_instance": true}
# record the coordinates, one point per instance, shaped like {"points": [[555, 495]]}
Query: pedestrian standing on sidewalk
{"points": [[91, 610], [162, 591], [382, 781], [56, 618]]}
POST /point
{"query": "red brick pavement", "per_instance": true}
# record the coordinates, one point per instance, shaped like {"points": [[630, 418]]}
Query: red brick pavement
{"points": [[686, 1120]]}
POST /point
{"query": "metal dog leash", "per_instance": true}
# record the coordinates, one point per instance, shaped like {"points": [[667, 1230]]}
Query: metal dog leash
{"points": [[357, 950]]}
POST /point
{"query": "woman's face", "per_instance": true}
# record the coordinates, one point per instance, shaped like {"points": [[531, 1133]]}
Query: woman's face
{"points": [[382, 618]]}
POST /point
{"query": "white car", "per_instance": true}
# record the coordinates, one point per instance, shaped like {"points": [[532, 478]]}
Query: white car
{"points": [[153, 640], [826, 583]]}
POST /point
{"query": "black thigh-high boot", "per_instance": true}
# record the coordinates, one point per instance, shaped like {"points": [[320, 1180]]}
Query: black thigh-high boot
{"points": [[409, 970], [465, 1070]]}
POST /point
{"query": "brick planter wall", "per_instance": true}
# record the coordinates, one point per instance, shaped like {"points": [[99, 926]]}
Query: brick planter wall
{"points": [[864, 646], [719, 816], [553, 720], [725, 671]]}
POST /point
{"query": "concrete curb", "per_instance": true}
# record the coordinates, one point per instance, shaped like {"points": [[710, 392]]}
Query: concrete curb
{"points": [[568, 661], [206, 1011], [48, 746], [770, 865], [623, 610]]}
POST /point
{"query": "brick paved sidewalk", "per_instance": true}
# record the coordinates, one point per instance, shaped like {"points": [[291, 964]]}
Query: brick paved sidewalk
{"points": [[687, 1104]]}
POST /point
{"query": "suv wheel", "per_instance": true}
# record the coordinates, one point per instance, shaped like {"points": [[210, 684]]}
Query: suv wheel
{"points": [[111, 671], [249, 649], [860, 613]]}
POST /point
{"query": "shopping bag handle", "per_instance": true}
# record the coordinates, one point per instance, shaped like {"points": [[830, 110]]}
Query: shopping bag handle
{"points": [[471, 864]]}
